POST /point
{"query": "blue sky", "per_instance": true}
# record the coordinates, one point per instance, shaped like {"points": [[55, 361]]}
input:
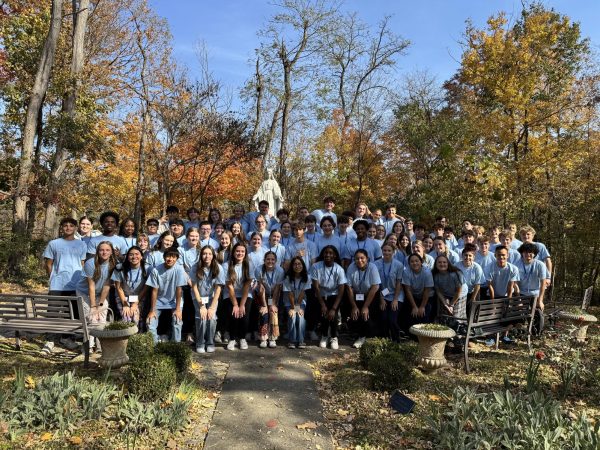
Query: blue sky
{"points": [[229, 29]]}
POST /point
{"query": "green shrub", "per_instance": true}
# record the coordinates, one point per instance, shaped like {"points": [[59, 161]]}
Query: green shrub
{"points": [[391, 370], [376, 346], [349, 380], [140, 346], [151, 377], [119, 325], [501, 419], [180, 352]]}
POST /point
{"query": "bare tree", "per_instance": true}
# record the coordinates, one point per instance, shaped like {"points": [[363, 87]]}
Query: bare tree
{"points": [[38, 92]]}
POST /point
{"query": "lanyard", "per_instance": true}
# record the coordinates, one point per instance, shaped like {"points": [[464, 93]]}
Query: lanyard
{"points": [[330, 273], [270, 280], [527, 274], [206, 277], [361, 279], [128, 244], [296, 288], [133, 283], [386, 277], [364, 244]]}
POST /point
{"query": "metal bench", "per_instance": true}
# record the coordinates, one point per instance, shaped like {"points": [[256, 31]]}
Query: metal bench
{"points": [[492, 317], [43, 314]]}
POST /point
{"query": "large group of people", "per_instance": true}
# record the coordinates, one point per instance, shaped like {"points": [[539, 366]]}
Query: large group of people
{"points": [[232, 280]]}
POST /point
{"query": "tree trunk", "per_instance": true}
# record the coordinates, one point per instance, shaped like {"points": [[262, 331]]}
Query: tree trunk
{"points": [[40, 85], [287, 103], [59, 162]]}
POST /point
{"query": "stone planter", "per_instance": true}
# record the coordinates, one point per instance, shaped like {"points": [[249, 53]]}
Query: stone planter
{"points": [[114, 345], [580, 320], [431, 345]]}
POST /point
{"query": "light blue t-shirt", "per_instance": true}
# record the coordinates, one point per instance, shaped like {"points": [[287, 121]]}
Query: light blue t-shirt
{"points": [[310, 252], [362, 280], [257, 257], [167, 280], [388, 224], [269, 280], [452, 256], [208, 283], [513, 256], [296, 286], [448, 282], [188, 256], [135, 279], [530, 276], [129, 242], [487, 263], [417, 282], [209, 241], [500, 277], [155, 258], [473, 275], [279, 251], [322, 241], [372, 248], [66, 256], [88, 272], [330, 278], [320, 213], [118, 243], [238, 284], [265, 234], [428, 261], [543, 252], [390, 274]]}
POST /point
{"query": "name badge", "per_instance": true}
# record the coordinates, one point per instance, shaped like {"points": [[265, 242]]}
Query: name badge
{"points": [[385, 292], [204, 300], [132, 298], [270, 302], [360, 297]]}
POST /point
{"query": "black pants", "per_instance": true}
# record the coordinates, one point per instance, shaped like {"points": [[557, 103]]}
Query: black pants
{"points": [[388, 320], [223, 316], [366, 328], [326, 324], [188, 312], [312, 314], [406, 318], [239, 327]]}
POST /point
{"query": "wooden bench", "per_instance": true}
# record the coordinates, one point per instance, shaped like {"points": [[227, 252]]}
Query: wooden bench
{"points": [[492, 317], [43, 314]]}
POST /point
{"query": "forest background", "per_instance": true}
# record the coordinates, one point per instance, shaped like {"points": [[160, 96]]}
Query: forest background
{"points": [[97, 113]]}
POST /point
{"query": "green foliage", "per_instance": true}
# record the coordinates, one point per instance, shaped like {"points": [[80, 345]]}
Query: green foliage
{"points": [[349, 380], [179, 352], [391, 370], [501, 419], [569, 371], [140, 346], [119, 325], [376, 346], [152, 377], [59, 402]]}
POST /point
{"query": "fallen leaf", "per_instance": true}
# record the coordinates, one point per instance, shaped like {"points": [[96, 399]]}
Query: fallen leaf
{"points": [[434, 398], [46, 436], [76, 440], [29, 382], [317, 373], [272, 423], [342, 412], [212, 395], [307, 426], [171, 443], [196, 366]]}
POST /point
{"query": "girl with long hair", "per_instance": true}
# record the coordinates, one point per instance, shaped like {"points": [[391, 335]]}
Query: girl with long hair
{"points": [[239, 293]]}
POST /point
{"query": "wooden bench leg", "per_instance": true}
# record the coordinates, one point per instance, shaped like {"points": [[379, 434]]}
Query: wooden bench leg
{"points": [[497, 340], [86, 354], [467, 354], [17, 340]]}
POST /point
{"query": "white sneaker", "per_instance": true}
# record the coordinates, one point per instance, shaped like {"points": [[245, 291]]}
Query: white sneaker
{"points": [[218, 338], [313, 336], [334, 344], [243, 344], [272, 344], [210, 349], [226, 337], [323, 343], [231, 345], [291, 345], [263, 344], [359, 342], [200, 350]]}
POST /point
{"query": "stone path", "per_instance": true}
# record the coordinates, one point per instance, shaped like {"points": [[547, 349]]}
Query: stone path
{"points": [[269, 400]]}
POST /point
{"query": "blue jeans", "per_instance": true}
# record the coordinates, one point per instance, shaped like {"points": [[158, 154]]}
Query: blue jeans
{"points": [[296, 326], [205, 329], [176, 325]]}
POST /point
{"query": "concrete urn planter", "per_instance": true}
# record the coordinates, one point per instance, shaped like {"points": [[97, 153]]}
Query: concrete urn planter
{"points": [[432, 343], [580, 320], [114, 345]]}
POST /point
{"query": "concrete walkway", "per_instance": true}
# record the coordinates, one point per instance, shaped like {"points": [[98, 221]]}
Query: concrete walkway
{"points": [[269, 400]]}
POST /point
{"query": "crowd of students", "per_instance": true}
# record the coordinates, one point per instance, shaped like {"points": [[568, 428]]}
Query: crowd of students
{"points": [[227, 280]]}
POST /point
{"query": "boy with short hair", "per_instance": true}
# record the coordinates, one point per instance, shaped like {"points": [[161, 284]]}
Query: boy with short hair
{"points": [[419, 233], [152, 231], [172, 213], [527, 235], [327, 210], [109, 220], [506, 239], [176, 226], [311, 233], [166, 282]]}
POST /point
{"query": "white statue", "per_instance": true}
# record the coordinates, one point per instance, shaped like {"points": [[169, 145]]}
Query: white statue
{"points": [[269, 190]]}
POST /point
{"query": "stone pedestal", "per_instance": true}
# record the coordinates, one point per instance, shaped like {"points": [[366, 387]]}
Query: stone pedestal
{"points": [[581, 321], [432, 343], [114, 345]]}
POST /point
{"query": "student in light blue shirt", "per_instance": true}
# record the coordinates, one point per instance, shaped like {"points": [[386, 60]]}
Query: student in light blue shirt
{"points": [[506, 240], [295, 286], [327, 211], [418, 290], [305, 250], [329, 284], [532, 273], [166, 282], [504, 276], [450, 288], [328, 237], [472, 272], [392, 293], [208, 280], [269, 277], [64, 260], [256, 250], [130, 286], [165, 242], [152, 231], [109, 221], [205, 239], [362, 242], [440, 248], [527, 235], [128, 231], [274, 245]]}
